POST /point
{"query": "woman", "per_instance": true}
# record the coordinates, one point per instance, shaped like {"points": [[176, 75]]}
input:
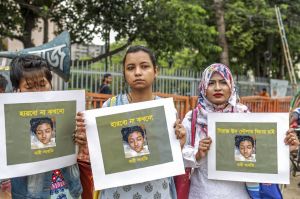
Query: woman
{"points": [[140, 71], [217, 94]]}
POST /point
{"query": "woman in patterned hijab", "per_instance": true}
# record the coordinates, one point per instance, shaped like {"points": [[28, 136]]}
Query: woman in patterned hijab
{"points": [[217, 94]]}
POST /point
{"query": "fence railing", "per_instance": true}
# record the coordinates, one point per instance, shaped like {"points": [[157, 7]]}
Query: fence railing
{"points": [[265, 104], [88, 76], [184, 103]]}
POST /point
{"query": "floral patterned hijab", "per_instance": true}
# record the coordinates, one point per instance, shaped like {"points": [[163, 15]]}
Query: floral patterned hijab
{"points": [[205, 106]]}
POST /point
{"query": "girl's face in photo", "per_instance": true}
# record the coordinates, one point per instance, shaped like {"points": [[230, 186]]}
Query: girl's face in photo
{"points": [[44, 133], [246, 149], [218, 91], [136, 141], [139, 71], [28, 85]]}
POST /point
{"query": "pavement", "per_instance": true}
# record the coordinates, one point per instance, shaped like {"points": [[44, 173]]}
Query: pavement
{"points": [[292, 191]]}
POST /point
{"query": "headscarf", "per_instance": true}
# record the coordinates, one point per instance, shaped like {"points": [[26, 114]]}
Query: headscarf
{"points": [[205, 106]]}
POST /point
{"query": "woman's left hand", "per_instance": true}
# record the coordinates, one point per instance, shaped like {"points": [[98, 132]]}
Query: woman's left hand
{"points": [[291, 139], [180, 132], [80, 131]]}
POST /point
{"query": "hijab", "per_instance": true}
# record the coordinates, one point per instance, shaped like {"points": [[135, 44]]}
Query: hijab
{"points": [[205, 106]]}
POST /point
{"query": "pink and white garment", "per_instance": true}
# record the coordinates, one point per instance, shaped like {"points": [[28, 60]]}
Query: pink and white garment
{"points": [[201, 187], [59, 188]]}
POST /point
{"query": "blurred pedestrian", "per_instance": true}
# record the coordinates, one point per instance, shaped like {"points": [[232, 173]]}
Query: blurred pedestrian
{"points": [[105, 86], [3, 83], [264, 93]]}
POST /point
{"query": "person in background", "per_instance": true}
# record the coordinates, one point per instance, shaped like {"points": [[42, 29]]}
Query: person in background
{"points": [[105, 86], [264, 93], [3, 83]]}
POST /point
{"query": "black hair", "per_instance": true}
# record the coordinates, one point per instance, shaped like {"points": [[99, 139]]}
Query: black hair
{"points": [[241, 138], [28, 67], [135, 49], [264, 89], [126, 131], [35, 122], [106, 75], [3, 82]]}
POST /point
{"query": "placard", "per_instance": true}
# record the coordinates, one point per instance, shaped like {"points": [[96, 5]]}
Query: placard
{"points": [[133, 143], [36, 131], [248, 147]]}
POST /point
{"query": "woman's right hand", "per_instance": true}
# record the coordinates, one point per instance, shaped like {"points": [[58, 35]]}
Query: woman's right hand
{"points": [[80, 132], [203, 148]]}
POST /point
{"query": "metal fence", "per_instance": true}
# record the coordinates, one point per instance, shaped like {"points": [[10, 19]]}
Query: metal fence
{"points": [[88, 76]]}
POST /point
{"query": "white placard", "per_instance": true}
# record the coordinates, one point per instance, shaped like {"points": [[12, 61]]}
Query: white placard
{"points": [[22, 152], [269, 159], [107, 145]]}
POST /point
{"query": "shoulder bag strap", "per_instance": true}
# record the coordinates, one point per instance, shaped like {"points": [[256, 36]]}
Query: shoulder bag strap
{"points": [[193, 126]]}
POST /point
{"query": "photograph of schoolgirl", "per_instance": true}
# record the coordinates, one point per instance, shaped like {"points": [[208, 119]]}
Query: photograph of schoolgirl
{"points": [[134, 141], [36, 131], [244, 148], [42, 132], [35, 136], [128, 144], [250, 152]]}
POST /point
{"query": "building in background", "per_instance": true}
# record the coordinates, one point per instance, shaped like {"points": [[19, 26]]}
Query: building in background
{"points": [[81, 51], [37, 37]]}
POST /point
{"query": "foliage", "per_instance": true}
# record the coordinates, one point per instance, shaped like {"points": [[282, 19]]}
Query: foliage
{"points": [[182, 33], [19, 18], [253, 34], [8, 22]]}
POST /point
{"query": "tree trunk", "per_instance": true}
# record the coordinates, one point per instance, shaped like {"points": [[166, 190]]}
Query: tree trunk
{"points": [[257, 64], [29, 24], [107, 45], [45, 30], [282, 66], [26, 39], [218, 6]]}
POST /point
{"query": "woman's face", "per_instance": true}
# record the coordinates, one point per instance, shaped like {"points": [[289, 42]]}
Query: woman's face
{"points": [[136, 141], [218, 91], [44, 133], [246, 149], [139, 71], [42, 84]]}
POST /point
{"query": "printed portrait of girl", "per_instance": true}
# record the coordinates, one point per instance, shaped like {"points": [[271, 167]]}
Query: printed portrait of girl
{"points": [[245, 146], [42, 133], [134, 141]]}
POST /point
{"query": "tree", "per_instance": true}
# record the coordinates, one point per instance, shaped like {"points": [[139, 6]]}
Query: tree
{"points": [[19, 18], [218, 6], [167, 26], [253, 35]]}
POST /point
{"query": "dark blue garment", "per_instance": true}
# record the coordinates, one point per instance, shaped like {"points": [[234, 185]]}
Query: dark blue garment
{"points": [[38, 186], [105, 89]]}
